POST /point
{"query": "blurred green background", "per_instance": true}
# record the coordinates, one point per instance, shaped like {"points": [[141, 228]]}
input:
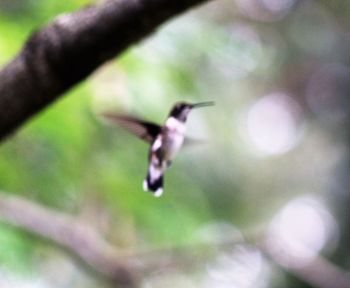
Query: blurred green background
{"points": [[276, 155]]}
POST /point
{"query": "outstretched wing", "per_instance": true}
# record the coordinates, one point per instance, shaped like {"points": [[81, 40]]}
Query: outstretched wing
{"points": [[145, 130]]}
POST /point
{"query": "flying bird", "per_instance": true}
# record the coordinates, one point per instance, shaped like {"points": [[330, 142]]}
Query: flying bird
{"points": [[165, 141]]}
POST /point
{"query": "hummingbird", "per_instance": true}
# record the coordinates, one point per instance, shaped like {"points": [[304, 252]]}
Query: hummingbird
{"points": [[165, 140]]}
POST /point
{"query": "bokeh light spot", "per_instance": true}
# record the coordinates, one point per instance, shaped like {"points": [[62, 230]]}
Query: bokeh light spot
{"points": [[273, 124], [300, 231]]}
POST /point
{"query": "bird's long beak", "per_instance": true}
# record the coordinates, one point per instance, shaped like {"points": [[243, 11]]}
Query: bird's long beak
{"points": [[203, 104]]}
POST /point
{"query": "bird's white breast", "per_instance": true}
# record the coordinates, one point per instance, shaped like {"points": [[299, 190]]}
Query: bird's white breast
{"points": [[174, 137], [175, 125]]}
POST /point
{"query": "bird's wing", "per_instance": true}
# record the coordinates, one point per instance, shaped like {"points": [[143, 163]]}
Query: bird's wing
{"points": [[145, 130]]}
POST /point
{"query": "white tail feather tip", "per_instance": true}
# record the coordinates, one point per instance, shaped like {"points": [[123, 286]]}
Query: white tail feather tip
{"points": [[158, 193]]}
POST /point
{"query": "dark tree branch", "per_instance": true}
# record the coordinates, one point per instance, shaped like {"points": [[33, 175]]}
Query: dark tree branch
{"points": [[72, 47]]}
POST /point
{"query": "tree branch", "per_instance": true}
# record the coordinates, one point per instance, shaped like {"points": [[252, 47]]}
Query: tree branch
{"points": [[318, 271], [66, 231], [72, 47], [84, 242]]}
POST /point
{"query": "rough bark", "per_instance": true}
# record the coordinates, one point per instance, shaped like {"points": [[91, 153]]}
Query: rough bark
{"points": [[70, 48]]}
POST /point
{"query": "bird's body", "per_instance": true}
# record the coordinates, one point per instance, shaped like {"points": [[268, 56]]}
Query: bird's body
{"points": [[162, 151], [166, 141], [172, 137]]}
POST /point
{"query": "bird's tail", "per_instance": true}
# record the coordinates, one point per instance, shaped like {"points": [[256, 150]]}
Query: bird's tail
{"points": [[154, 180]]}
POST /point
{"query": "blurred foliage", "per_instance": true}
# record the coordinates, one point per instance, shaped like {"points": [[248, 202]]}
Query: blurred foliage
{"points": [[273, 135]]}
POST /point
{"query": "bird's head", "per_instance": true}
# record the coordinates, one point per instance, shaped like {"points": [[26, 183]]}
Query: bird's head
{"points": [[181, 110]]}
